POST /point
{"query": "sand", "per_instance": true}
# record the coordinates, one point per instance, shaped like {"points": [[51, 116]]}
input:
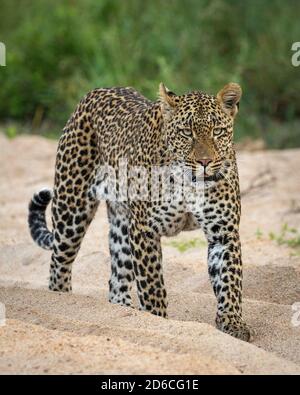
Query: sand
{"points": [[81, 332]]}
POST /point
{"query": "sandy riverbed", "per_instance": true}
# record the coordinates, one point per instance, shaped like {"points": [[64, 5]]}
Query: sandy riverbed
{"points": [[82, 333]]}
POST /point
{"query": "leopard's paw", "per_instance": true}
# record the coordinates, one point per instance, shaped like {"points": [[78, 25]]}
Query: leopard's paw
{"points": [[235, 327], [121, 299]]}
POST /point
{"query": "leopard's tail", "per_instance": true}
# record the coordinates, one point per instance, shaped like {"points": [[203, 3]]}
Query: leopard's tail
{"points": [[37, 219]]}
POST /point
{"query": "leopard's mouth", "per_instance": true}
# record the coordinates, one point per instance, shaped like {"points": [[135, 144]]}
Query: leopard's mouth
{"points": [[198, 173], [196, 177], [215, 176]]}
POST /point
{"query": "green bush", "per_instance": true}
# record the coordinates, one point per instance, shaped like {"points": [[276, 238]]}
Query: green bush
{"points": [[58, 50]]}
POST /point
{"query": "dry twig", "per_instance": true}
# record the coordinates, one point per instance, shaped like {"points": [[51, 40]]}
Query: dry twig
{"points": [[264, 178]]}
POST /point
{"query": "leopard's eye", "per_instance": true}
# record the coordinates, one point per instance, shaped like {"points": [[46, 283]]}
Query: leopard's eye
{"points": [[185, 132], [219, 132]]}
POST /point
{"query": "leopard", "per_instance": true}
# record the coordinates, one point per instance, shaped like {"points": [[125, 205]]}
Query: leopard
{"points": [[193, 134]]}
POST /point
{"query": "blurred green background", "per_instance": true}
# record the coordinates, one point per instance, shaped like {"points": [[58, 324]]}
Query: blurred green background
{"points": [[58, 50]]}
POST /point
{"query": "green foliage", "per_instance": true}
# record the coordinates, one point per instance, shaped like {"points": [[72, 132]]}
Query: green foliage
{"points": [[183, 246], [11, 131], [258, 234], [58, 50], [287, 236]]}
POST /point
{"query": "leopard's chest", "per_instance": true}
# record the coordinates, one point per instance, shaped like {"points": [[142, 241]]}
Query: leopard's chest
{"points": [[170, 219]]}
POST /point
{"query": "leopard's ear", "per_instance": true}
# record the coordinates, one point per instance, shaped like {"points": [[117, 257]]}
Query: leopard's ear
{"points": [[229, 98], [168, 99]]}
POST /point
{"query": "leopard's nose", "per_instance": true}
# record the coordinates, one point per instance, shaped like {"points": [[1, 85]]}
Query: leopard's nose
{"points": [[204, 162]]}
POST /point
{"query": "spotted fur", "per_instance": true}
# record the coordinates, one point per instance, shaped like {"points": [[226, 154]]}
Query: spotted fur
{"points": [[194, 131], [37, 220]]}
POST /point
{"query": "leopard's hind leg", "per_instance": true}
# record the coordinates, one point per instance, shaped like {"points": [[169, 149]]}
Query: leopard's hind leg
{"points": [[73, 207], [69, 229]]}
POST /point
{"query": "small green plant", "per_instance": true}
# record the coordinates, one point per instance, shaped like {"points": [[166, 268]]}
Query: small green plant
{"points": [[11, 131], [258, 234], [287, 236], [183, 246]]}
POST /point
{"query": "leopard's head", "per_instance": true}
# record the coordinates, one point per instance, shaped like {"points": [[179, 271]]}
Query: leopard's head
{"points": [[198, 128]]}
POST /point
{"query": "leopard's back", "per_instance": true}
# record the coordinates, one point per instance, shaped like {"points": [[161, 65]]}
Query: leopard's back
{"points": [[121, 121]]}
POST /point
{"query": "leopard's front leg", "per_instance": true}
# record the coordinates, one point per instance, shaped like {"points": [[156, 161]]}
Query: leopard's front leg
{"points": [[147, 262], [219, 219], [122, 274], [225, 270]]}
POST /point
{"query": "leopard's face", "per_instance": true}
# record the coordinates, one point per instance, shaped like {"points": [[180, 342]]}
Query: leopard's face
{"points": [[198, 128]]}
